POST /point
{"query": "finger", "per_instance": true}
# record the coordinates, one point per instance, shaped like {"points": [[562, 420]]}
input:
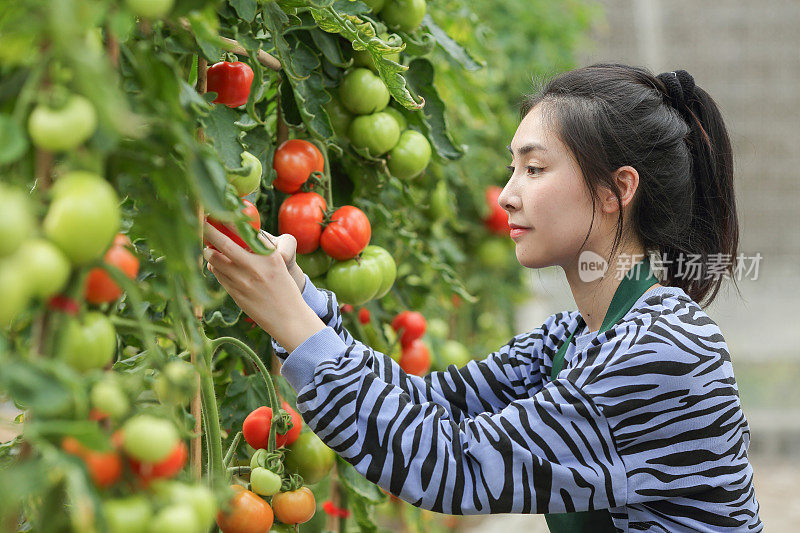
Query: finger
{"points": [[220, 264], [210, 252], [224, 244], [287, 246], [267, 239], [226, 282]]}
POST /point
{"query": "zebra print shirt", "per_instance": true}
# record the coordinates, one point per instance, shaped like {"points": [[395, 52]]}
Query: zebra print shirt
{"points": [[644, 420]]}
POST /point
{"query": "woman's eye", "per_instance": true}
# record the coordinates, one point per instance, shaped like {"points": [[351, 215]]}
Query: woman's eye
{"points": [[530, 170]]}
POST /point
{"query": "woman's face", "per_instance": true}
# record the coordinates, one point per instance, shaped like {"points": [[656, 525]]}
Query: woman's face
{"points": [[546, 194]]}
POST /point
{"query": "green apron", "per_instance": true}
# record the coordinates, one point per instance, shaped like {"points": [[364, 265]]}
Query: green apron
{"points": [[627, 294]]}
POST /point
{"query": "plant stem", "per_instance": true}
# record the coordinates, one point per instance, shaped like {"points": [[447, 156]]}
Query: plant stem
{"points": [[213, 434], [232, 449]]}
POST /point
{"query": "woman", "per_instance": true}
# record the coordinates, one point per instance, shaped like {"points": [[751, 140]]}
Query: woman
{"points": [[621, 416]]}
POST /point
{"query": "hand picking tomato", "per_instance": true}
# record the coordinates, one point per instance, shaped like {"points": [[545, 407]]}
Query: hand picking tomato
{"points": [[294, 161], [246, 512], [347, 234], [100, 288], [413, 325], [497, 221], [105, 468], [294, 507], [301, 215], [164, 469], [415, 358], [253, 218], [231, 81]]}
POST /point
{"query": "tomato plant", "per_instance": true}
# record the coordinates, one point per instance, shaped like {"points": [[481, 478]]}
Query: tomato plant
{"points": [[246, 512], [294, 161], [294, 507], [415, 358], [231, 81], [362, 92], [301, 215], [347, 234]]}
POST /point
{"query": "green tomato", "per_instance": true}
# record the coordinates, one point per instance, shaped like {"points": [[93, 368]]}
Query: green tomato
{"points": [[398, 116], [176, 383], [199, 497], [410, 155], [354, 283], [320, 282], [16, 221], [386, 264], [378, 133], [309, 457], [152, 9], [65, 128], [494, 253], [127, 515], [46, 267], [88, 342], [258, 458], [176, 518], [340, 117], [374, 5], [264, 482], [108, 397], [14, 288], [83, 217], [440, 202], [362, 92], [249, 182], [148, 438], [314, 264], [454, 353], [437, 328], [405, 15]]}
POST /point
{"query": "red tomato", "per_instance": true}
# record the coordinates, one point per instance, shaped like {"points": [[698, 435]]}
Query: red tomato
{"points": [[297, 425], [347, 234], [254, 219], [294, 161], [247, 513], [497, 221], [346, 308], [413, 325], [167, 468], [363, 315], [301, 215], [100, 288], [255, 428], [415, 358], [294, 507], [105, 468], [231, 82]]}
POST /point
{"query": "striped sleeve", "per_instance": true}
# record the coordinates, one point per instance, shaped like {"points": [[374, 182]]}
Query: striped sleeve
{"points": [[512, 372]]}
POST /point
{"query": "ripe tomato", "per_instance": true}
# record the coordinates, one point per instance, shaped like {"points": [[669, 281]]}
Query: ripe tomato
{"points": [[149, 439], [100, 288], [364, 315], [16, 219], [497, 221], [347, 234], [410, 155], [413, 325], [405, 15], [294, 507], [415, 358], [256, 426], [249, 182], [294, 161], [88, 342], [246, 513], [253, 218], [362, 92], [386, 265], [46, 267], [231, 81], [301, 215], [309, 457], [65, 128], [83, 217], [314, 264], [166, 468], [378, 133], [354, 282], [105, 468]]}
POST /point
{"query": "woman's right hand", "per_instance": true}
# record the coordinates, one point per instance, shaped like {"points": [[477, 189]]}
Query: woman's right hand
{"points": [[286, 245]]}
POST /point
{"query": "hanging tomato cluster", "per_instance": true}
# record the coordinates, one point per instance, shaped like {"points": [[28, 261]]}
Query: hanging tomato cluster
{"points": [[415, 357]]}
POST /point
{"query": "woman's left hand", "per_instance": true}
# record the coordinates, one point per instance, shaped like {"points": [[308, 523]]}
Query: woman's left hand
{"points": [[262, 286]]}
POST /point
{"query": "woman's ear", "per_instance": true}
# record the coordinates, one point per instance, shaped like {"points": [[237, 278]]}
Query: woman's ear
{"points": [[627, 181]]}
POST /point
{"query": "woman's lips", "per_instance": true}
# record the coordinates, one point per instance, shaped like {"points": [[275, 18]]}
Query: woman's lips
{"points": [[516, 232]]}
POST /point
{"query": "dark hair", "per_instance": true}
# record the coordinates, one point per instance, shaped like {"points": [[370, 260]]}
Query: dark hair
{"points": [[612, 115]]}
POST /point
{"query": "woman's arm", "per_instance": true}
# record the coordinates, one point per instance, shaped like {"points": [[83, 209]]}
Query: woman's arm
{"points": [[510, 373]]}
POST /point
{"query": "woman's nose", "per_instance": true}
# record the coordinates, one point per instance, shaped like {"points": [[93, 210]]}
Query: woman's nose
{"points": [[507, 200]]}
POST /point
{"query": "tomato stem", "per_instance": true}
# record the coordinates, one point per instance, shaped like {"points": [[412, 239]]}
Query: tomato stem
{"points": [[232, 449]]}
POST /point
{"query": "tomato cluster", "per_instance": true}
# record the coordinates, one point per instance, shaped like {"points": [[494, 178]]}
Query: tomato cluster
{"points": [[415, 357]]}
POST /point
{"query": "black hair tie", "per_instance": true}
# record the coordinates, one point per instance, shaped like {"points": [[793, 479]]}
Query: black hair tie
{"points": [[680, 87]]}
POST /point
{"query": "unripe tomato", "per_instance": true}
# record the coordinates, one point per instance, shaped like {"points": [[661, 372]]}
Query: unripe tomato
{"points": [[247, 183], [494, 253], [65, 128], [497, 221], [231, 81], [412, 324], [109, 398], [176, 518], [362, 92], [404, 15], [402, 123], [362, 58], [45, 266], [88, 342], [264, 482], [294, 507], [294, 161], [347, 234], [199, 497], [246, 512], [374, 5], [149, 439], [152, 9], [105, 468], [309, 457], [253, 218], [410, 155], [301, 215], [339, 115], [437, 328], [164, 469], [16, 220], [378, 133], [455, 353], [354, 282], [314, 264], [415, 358], [386, 264], [14, 289], [100, 288], [176, 383], [127, 515]]}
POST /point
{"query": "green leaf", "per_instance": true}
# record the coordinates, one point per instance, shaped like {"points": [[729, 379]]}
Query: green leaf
{"points": [[246, 9], [244, 393], [220, 127], [13, 141], [204, 27], [358, 484], [452, 48], [36, 387], [226, 314], [329, 46]]}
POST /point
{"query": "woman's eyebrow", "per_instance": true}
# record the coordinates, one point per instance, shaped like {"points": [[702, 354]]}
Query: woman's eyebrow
{"points": [[528, 148]]}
